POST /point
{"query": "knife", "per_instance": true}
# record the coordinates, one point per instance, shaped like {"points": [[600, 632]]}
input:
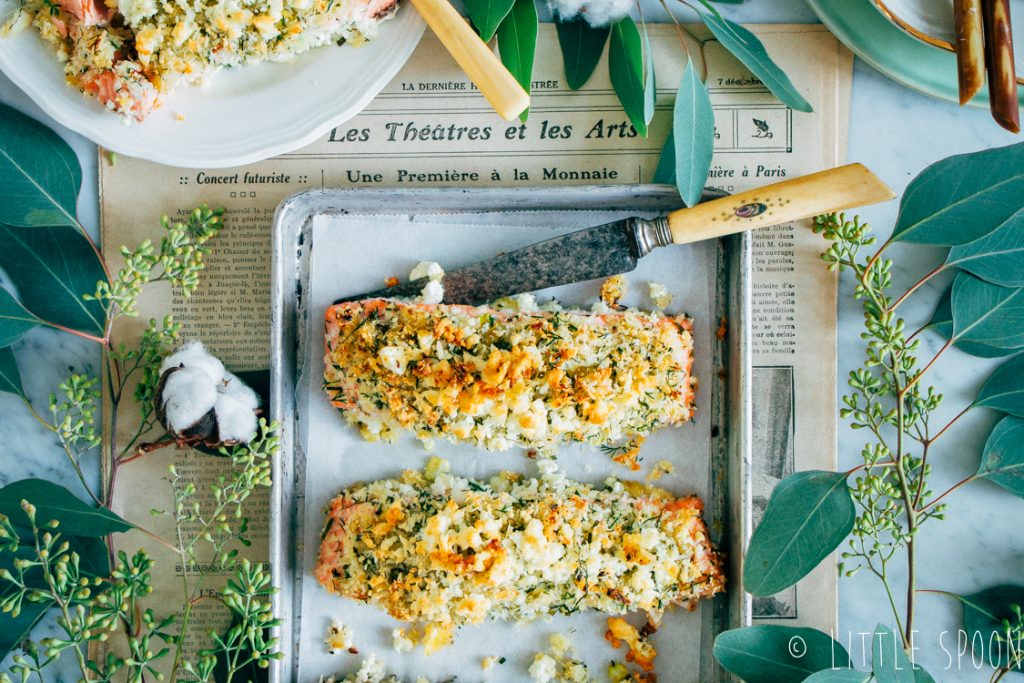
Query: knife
{"points": [[615, 248]]}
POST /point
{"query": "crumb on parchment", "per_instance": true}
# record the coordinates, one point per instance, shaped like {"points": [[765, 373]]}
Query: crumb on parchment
{"points": [[339, 638], [660, 470], [612, 291], [659, 295], [641, 651], [557, 664]]}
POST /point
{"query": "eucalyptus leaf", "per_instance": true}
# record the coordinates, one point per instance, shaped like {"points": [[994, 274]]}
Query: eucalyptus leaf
{"points": [[517, 43], [962, 198], [777, 654], [1004, 389], [1002, 460], [746, 47], [10, 377], [626, 68], [54, 502], [582, 45], [650, 86], [987, 314], [808, 516], [487, 14], [693, 133], [942, 322], [998, 257], [838, 676], [889, 661], [665, 173], [52, 267], [984, 613], [15, 630], [922, 676], [15, 321], [38, 171]]}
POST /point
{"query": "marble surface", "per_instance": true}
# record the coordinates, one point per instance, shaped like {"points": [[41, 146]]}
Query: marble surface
{"points": [[895, 132]]}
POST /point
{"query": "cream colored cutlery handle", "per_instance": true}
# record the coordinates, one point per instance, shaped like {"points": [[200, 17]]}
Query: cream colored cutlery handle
{"points": [[482, 66], [832, 190]]}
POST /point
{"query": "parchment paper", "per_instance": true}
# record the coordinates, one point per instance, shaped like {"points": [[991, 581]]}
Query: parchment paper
{"points": [[352, 255]]}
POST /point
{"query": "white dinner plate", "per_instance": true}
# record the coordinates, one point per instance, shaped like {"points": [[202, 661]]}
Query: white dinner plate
{"points": [[243, 115]]}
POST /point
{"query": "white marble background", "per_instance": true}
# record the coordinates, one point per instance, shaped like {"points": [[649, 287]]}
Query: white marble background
{"points": [[896, 132]]}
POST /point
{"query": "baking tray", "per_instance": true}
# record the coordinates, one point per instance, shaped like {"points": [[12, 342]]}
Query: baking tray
{"points": [[333, 243]]}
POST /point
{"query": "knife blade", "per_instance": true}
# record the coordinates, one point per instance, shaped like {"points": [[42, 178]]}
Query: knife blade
{"points": [[614, 248]]}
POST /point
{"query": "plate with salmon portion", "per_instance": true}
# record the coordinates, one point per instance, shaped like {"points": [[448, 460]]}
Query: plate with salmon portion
{"points": [[204, 83], [532, 488]]}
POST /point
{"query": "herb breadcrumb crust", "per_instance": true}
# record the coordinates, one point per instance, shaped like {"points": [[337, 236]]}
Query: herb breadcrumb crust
{"points": [[499, 378], [442, 551], [129, 53]]}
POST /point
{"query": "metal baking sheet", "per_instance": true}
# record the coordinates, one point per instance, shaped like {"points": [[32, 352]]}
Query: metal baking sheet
{"points": [[333, 243]]}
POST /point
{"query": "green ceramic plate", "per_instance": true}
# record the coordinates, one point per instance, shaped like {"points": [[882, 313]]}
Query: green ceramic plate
{"points": [[886, 47]]}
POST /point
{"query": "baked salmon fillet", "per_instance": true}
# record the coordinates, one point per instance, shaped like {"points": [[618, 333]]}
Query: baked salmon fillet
{"points": [[499, 378], [128, 54], [441, 551]]}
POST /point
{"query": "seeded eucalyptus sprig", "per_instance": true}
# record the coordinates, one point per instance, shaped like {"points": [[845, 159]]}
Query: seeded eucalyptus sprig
{"points": [[56, 551], [971, 204]]}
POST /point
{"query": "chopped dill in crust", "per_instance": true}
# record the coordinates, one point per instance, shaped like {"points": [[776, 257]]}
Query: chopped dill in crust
{"points": [[447, 551], [500, 379]]}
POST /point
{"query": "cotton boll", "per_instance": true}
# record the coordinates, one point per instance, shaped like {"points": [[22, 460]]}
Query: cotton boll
{"points": [[236, 421], [193, 354], [188, 395], [596, 12], [237, 389]]}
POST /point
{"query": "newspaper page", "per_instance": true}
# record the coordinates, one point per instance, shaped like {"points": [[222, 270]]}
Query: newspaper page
{"points": [[429, 127]]}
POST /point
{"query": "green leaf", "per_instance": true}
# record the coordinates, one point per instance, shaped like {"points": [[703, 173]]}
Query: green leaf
{"points": [[15, 321], [984, 613], [1002, 460], [626, 68], [665, 173], [838, 676], [745, 46], [10, 377], [693, 132], [998, 257], [962, 198], [54, 502], [14, 630], [38, 171], [889, 661], [942, 322], [808, 516], [922, 676], [650, 87], [52, 267], [777, 654], [582, 45], [987, 314], [517, 43], [487, 14], [1004, 389]]}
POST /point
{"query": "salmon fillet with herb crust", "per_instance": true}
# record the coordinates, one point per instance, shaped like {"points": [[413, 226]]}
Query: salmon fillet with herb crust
{"points": [[499, 378], [128, 54], [441, 551]]}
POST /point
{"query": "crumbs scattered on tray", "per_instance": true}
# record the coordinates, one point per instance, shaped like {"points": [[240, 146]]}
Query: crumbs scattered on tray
{"points": [[627, 454], [558, 664], [640, 651], [612, 291], [659, 295], [660, 470], [339, 638]]}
